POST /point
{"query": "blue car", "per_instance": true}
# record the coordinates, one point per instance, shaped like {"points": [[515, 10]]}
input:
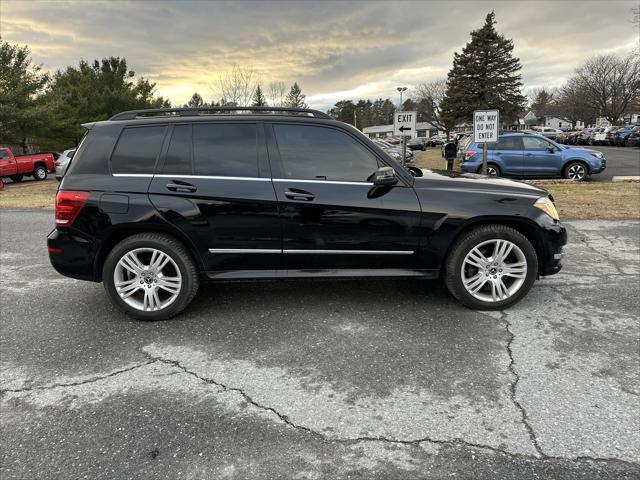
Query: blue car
{"points": [[523, 155]]}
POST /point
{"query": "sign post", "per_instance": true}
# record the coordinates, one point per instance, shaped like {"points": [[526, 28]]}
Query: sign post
{"points": [[404, 125], [485, 130]]}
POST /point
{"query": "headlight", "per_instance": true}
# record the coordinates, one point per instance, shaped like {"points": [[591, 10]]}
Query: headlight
{"points": [[546, 205], [597, 154]]}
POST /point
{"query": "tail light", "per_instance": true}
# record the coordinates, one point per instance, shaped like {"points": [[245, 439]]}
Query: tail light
{"points": [[468, 154], [68, 206]]}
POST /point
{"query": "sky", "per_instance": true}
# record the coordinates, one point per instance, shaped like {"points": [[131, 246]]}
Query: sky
{"points": [[334, 50]]}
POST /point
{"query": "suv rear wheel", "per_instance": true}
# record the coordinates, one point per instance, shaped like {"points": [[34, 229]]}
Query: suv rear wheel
{"points": [[150, 276], [491, 267]]}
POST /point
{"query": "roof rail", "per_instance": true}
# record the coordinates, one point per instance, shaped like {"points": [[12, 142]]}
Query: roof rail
{"points": [[190, 112]]}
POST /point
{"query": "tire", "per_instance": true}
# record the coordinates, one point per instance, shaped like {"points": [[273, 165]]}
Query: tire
{"points": [[181, 268], [493, 170], [40, 173], [484, 239], [16, 178], [576, 171]]}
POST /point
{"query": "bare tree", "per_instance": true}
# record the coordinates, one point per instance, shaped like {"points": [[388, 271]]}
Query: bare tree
{"points": [[570, 103], [429, 96], [237, 86], [276, 94], [610, 84]]}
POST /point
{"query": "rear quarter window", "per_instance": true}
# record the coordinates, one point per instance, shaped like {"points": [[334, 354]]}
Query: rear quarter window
{"points": [[137, 150]]}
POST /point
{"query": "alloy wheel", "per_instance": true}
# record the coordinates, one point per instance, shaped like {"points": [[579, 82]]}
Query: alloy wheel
{"points": [[494, 270], [147, 279], [576, 172], [492, 172]]}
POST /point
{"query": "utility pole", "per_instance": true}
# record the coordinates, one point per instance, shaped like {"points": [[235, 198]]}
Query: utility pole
{"points": [[355, 118], [404, 139]]}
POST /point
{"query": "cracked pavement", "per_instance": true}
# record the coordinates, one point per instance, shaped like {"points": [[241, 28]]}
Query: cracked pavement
{"points": [[345, 379]]}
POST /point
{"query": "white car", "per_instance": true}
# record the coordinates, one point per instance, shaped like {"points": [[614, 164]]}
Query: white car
{"points": [[62, 162], [549, 132], [603, 134]]}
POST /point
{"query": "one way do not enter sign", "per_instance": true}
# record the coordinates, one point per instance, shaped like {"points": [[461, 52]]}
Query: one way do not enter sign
{"points": [[404, 123]]}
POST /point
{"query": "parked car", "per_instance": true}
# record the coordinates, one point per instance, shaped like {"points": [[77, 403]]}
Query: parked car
{"points": [[417, 143], [634, 138], [153, 205], [436, 141], [621, 136], [552, 133], [393, 151], [584, 136], [523, 155], [569, 138], [603, 135], [62, 161], [16, 168]]}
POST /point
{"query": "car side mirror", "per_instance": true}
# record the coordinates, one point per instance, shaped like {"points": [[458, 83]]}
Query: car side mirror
{"points": [[385, 177], [551, 150]]}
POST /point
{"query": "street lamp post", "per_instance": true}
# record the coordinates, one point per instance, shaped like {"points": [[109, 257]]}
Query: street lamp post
{"points": [[404, 139], [401, 89]]}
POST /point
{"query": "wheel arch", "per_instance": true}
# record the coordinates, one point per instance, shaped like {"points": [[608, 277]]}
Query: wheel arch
{"points": [[574, 160], [525, 226], [120, 232]]}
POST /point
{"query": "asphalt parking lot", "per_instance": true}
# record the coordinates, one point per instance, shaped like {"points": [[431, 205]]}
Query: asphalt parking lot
{"points": [[621, 161], [351, 379]]}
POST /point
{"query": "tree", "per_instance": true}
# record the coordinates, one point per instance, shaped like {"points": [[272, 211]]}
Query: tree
{"points": [[610, 84], [542, 102], [236, 87], [343, 111], [196, 101], [484, 75], [258, 98], [21, 112], [90, 92], [295, 98], [429, 97], [570, 103], [276, 93]]}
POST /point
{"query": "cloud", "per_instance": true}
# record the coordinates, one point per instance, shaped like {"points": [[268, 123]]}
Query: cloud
{"points": [[335, 50]]}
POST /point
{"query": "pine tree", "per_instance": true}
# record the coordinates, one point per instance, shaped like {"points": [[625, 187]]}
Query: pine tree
{"points": [[196, 101], [259, 99], [485, 75], [295, 97]]}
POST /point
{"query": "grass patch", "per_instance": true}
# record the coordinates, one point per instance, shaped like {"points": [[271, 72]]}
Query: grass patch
{"points": [[590, 200], [33, 195]]}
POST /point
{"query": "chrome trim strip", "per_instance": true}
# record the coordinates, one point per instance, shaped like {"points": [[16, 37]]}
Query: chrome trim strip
{"points": [[215, 177], [245, 250], [337, 182], [352, 252], [326, 252], [143, 175]]}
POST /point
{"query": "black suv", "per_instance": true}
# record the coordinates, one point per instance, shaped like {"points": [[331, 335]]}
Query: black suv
{"points": [[156, 201]]}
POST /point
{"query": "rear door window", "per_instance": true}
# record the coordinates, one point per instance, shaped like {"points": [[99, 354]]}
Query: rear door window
{"points": [[137, 150], [225, 149], [318, 153], [535, 143], [509, 143]]}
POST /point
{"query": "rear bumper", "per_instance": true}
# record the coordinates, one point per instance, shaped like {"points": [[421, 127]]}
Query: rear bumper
{"points": [[73, 254]]}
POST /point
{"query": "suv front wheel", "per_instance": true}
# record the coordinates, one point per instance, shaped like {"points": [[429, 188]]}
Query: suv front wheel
{"points": [[491, 267], [150, 276]]}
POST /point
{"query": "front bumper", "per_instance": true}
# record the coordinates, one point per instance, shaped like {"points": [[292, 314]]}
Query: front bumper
{"points": [[554, 239]]}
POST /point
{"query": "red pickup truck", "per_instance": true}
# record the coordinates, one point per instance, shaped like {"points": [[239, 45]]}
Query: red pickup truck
{"points": [[37, 165]]}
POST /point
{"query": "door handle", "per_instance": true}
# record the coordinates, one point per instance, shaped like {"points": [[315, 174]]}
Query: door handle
{"points": [[295, 194], [178, 186]]}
